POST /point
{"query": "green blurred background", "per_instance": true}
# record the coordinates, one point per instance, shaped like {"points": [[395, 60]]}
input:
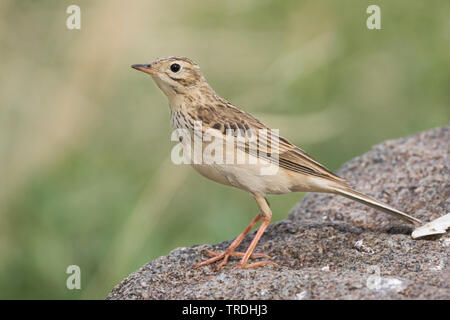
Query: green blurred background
{"points": [[85, 140]]}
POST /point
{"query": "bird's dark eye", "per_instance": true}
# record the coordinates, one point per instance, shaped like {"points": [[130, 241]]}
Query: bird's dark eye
{"points": [[175, 67]]}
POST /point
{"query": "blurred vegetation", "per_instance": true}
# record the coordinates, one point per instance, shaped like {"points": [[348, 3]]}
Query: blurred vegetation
{"points": [[85, 140]]}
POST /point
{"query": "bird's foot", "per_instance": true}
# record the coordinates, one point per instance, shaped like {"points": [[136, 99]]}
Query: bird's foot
{"points": [[231, 253], [254, 264]]}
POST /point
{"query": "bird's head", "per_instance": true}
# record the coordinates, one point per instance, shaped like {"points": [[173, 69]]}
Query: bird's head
{"points": [[173, 75]]}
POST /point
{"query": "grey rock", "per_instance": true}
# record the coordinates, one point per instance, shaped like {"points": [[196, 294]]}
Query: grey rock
{"points": [[330, 247]]}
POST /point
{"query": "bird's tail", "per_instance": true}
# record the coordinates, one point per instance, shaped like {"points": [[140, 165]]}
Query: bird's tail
{"points": [[371, 202]]}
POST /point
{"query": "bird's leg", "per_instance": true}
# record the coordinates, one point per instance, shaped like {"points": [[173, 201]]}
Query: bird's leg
{"points": [[230, 250], [266, 217]]}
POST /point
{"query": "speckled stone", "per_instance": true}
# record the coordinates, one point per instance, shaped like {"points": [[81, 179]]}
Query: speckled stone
{"points": [[330, 247]]}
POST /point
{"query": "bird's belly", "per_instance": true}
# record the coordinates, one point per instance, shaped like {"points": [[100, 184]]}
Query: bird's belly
{"points": [[246, 177], [211, 172], [256, 176], [252, 179]]}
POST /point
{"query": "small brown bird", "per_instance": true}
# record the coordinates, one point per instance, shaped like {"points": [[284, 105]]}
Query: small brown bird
{"points": [[192, 100]]}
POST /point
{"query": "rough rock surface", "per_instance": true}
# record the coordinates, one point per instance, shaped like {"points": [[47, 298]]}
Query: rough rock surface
{"points": [[330, 247]]}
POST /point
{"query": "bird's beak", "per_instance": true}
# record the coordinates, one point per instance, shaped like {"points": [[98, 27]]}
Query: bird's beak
{"points": [[144, 68]]}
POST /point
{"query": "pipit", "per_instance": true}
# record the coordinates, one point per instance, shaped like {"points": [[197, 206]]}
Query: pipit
{"points": [[192, 100]]}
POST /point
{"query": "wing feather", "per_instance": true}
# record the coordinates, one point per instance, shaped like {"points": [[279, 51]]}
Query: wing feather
{"points": [[286, 154]]}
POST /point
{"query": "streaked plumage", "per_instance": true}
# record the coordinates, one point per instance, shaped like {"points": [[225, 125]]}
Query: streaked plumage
{"points": [[192, 99]]}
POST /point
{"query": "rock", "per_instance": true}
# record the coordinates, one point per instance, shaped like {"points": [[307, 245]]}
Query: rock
{"points": [[411, 174], [330, 247]]}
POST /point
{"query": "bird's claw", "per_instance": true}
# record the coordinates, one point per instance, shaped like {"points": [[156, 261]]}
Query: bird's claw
{"points": [[231, 253]]}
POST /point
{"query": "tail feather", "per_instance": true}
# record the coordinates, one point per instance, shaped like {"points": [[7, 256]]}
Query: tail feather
{"points": [[371, 202]]}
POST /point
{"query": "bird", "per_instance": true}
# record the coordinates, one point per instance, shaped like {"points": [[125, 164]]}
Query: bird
{"points": [[273, 164]]}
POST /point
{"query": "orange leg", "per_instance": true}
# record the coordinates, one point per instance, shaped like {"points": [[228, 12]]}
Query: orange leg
{"points": [[266, 217], [243, 263], [230, 250]]}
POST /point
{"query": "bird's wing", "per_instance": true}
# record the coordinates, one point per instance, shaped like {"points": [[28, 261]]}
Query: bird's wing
{"points": [[285, 154]]}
